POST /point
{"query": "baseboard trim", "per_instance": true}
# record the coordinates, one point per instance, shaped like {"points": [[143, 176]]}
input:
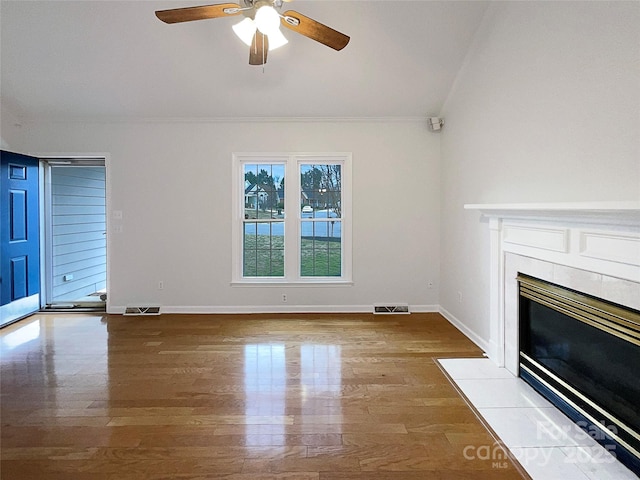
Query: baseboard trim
{"points": [[466, 331], [244, 309]]}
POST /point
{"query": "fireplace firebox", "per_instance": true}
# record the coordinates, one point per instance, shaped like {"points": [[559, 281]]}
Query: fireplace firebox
{"points": [[583, 354]]}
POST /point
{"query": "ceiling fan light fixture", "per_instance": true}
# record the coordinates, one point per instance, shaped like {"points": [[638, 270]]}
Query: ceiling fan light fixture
{"points": [[276, 40], [245, 30], [262, 16], [267, 20]]}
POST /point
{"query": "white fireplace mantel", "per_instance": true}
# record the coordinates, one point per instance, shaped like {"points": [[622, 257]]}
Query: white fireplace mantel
{"points": [[599, 213], [592, 247]]}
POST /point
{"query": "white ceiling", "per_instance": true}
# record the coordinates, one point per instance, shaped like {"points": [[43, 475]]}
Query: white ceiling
{"points": [[115, 59]]}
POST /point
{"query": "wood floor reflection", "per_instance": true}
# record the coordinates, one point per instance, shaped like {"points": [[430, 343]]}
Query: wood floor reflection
{"points": [[296, 397]]}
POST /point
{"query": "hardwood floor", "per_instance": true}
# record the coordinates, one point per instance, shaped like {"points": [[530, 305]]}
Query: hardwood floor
{"points": [[296, 397]]}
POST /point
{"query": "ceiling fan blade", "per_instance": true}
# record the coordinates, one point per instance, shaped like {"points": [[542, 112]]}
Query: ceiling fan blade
{"points": [[315, 30], [259, 49], [188, 14]]}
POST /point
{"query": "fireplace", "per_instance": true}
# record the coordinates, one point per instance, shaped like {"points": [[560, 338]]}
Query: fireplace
{"points": [[591, 247], [583, 354]]}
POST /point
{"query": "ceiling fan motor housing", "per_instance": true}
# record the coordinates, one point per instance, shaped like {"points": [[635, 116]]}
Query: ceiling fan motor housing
{"points": [[250, 7]]}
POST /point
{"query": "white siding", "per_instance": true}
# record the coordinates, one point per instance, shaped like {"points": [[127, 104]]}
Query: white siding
{"points": [[78, 228]]}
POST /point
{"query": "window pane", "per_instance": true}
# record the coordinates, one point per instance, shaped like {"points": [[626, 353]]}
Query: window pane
{"points": [[263, 191], [263, 249], [321, 249], [321, 191], [322, 221]]}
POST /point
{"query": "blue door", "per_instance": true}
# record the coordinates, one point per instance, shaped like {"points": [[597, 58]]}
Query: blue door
{"points": [[19, 237]]}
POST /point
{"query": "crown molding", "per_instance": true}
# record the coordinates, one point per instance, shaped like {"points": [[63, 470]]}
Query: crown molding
{"points": [[204, 120]]}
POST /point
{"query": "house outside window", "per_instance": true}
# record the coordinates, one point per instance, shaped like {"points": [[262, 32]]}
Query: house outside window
{"points": [[292, 218]]}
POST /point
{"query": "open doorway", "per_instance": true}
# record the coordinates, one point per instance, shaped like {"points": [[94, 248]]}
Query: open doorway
{"points": [[75, 243]]}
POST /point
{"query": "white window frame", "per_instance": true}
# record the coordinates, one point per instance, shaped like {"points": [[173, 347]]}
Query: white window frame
{"points": [[293, 217]]}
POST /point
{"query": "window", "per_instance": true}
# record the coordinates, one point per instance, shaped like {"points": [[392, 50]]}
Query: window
{"points": [[292, 218]]}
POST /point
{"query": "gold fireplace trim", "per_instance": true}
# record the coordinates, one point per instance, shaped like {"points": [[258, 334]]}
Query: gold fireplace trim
{"points": [[584, 398], [621, 322], [595, 422]]}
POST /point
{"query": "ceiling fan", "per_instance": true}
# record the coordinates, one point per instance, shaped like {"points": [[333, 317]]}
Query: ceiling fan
{"points": [[261, 27]]}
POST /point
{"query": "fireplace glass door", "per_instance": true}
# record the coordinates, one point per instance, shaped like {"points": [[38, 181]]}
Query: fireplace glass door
{"points": [[583, 354]]}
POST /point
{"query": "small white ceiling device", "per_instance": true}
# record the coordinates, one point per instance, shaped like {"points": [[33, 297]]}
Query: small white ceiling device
{"points": [[435, 123]]}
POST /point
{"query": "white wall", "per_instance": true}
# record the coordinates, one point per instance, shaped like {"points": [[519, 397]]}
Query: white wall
{"points": [[8, 125], [172, 181], [546, 109]]}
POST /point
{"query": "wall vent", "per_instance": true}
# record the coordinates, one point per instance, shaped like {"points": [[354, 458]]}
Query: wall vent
{"points": [[382, 309], [145, 310]]}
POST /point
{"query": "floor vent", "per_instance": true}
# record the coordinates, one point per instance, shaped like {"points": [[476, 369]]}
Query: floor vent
{"points": [[146, 310], [391, 309]]}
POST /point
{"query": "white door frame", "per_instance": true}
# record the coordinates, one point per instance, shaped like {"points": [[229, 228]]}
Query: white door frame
{"points": [[46, 235]]}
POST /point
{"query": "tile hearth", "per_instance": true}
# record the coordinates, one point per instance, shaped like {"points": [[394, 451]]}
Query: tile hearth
{"points": [[546, 442]]}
